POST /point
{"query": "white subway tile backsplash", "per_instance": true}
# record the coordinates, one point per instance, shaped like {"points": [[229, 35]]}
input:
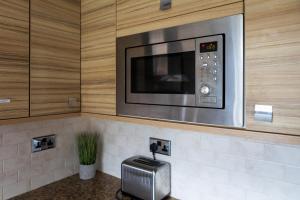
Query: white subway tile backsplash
{"points": [[110, 164], [27, 172], [8, 151], [8, 178], [21, 167], [250, 195], [228, 192], [70, 164], [54, 164], [1, 166], [40, 132], [292, 174], [15, 189], [229, 162], [246, 148], [207, 166], [24, 149], [283, 154], [278, 190], [146, 131], [246, 181], [42, 179], [195, 189], [11, 138], [44, 156], [265, 169], [187, 147], [16, 163], [61, 173], [214, 174], [204, 166], [217, 144]]}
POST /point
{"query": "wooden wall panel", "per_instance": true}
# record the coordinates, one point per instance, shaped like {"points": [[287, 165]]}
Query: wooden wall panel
{"points": [[14, 58], [273, 63], [55, 56], [139, 16], [98, 50]]}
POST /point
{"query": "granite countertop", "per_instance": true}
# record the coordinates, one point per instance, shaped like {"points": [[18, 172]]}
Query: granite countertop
{"points": [[103, 187]]}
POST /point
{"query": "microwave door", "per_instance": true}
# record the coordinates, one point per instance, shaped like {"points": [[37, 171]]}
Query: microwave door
{"points": [[161, 74]]}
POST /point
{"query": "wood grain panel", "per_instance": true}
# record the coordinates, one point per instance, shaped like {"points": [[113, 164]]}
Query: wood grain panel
{"points": [[144, 15], [14, 58], [55, 56], [98, 41], [38, 118], [273, 63]]}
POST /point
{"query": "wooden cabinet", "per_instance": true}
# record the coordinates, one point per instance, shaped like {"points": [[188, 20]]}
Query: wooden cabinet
{"points": [[14, 59], [139, 16], [55, 57], [98, 51], [98, 38], [273, 63]]}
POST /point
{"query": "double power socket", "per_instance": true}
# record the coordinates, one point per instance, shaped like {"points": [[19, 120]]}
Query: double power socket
{"points": [[163, 146]]}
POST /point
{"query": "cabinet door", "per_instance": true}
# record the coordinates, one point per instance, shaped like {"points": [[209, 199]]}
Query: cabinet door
{"points": [[55, 57], [273, 63], [143, 15], [14, 59], [98, 66]]}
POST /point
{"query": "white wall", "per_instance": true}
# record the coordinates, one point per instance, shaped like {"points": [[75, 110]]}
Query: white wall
{"points": [[21, 170], [207, 166], [204, 166]]}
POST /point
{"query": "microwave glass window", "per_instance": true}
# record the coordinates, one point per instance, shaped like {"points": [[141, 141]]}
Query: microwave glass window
{"points": [[164, 74]]}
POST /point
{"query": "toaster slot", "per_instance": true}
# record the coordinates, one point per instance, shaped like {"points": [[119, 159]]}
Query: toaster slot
{"points": [[147, 161]]}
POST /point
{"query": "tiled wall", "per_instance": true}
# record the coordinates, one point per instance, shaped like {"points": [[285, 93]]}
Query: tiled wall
{"points": [[21, 171], [204, 166], [207, 166]]}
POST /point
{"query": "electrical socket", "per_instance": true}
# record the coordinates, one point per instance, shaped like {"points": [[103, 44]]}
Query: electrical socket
{"points": [[43, 143], [163, 146]]}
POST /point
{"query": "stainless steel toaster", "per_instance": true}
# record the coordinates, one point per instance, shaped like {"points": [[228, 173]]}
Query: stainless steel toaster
{"points": [[146, 178]]}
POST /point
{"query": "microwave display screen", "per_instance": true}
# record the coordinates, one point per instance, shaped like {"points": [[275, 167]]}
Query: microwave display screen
{"points": [[208, 47], [164, 74]]}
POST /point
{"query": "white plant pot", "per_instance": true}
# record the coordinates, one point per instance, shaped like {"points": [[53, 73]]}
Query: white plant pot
{"points": [[87, 171]]}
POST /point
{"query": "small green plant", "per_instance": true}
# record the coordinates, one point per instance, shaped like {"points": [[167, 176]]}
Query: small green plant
{"points": [[87, 148]]}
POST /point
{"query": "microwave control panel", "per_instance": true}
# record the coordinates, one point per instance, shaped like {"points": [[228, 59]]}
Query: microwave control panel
{"points": [[210, 71]]}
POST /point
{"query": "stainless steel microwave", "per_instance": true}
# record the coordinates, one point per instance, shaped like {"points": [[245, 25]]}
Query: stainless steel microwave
{"points": [[191, 73]]}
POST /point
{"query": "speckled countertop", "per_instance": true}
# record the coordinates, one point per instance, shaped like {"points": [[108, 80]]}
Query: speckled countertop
{"points": [[103, 187]]}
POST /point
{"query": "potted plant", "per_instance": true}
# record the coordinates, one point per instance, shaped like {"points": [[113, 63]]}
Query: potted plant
{"points": [[87, 150]]}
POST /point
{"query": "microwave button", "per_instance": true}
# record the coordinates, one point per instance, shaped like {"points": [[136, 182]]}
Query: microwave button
{"points": [[204, 65], [204, 90]]}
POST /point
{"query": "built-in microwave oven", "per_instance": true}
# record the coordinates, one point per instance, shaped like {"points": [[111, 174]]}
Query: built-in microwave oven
{"points": [[191, 73]]}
